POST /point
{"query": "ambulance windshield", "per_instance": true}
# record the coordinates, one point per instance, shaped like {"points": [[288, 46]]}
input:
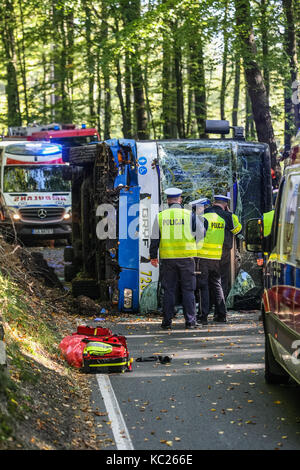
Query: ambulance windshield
{"points": [[33, 149], [31, 179]]}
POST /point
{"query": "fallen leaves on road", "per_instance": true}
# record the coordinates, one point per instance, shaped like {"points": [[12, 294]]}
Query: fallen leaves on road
{"points": [[168, 443]]}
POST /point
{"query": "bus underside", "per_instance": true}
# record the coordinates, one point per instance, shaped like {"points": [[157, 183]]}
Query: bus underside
{"points": [[130, 177]]}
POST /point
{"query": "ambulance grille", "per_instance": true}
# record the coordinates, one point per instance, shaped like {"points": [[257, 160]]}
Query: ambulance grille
{"points": [[42, 214]]}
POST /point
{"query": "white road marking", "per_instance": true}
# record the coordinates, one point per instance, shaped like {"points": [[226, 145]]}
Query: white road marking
{"points": [[118, 426]]}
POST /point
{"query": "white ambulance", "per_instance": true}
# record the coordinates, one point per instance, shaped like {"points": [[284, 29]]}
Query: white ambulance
{"points": [[35, 192]]}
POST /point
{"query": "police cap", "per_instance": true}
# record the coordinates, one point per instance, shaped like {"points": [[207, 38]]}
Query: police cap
{"points": [[221, 197], [173, 192], [200, 202]]}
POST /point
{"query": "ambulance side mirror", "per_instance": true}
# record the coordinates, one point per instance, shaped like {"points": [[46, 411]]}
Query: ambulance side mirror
{"points": [[254, 236]]}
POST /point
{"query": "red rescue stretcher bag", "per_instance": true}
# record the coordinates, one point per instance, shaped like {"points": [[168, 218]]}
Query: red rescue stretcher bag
{"points": [[96, 352], [93, 331], [108, 354]]}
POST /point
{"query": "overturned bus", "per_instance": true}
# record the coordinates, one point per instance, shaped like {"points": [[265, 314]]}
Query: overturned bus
{"points": [[118, 189]]}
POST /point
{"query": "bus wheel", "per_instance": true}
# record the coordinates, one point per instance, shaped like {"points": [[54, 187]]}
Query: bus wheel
{"points": [[274, 373], [69, 272], [68, 254]]}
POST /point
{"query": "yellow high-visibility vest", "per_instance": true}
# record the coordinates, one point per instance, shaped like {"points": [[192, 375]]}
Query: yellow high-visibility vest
{"points": [[267, 222], [176, 238], [212, 245], [237, 225]]}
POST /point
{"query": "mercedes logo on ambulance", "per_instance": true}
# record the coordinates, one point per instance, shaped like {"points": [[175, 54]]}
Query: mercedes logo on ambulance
{"points": [[42, 213]]}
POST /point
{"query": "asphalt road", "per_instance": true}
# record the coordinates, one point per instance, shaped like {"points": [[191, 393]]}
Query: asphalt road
{"points": [[211, 396]]}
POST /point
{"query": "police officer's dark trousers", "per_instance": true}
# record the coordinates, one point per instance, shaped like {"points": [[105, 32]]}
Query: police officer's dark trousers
{"points": [[174, 272], [213, 281], [202, 288], [225, 270]]}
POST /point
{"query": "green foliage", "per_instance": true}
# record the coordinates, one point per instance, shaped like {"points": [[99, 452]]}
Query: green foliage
{"points": [[28, 335], [66, 56]]}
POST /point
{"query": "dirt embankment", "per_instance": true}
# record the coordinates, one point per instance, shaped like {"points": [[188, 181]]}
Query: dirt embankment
{"points": [[44, 404]]}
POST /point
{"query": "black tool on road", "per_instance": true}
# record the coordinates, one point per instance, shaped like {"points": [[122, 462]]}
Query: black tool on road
{"points": [[161, 359]]}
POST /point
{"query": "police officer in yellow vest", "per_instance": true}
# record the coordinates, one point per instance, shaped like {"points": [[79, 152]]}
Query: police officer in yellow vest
{"points": [[173, 235], [201, 292], [233, 227], [209, 255]]}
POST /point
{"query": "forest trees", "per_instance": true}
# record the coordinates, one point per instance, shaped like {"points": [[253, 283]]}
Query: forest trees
{"points": [[254, 80], [152, 69]]}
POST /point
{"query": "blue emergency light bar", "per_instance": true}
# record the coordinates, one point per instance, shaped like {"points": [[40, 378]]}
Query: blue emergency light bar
{"points": [[50, 150]]}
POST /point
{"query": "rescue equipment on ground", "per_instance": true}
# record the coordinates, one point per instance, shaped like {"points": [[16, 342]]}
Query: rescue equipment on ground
{"points": [[161, 359], [96, 350]]}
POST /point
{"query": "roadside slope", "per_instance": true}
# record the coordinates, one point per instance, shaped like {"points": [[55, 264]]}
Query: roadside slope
{"points": [[44, 404]]}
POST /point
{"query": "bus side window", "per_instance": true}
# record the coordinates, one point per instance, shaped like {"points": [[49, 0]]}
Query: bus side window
{"points": [[289, 218]]}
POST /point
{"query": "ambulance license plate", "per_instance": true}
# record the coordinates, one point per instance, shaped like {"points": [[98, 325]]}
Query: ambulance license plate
{"points": [[42, 231]]}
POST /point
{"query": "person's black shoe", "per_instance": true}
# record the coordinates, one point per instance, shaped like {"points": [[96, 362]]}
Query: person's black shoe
{"points": [[220, 320], [202, 321], [193, 326], [166, 327]]}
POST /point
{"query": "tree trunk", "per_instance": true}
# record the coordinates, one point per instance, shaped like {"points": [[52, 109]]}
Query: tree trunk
{"points": [[168, 95], [139, 99], [8, 39], [99, 94], [236, 91], [90, 62], [149, 110], [22, 61], [291, 107], [179, 85], [61, 106], [70, 53], [44, 88], [189, 122], [254, 79], [249, 128], [65, 108], [198, 83], [120, 95], [106, 70], [127, 83], [224, 65], [264, 25]]}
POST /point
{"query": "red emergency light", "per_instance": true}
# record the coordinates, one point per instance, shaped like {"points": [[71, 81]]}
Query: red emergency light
{"points": [[48, 135]]}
